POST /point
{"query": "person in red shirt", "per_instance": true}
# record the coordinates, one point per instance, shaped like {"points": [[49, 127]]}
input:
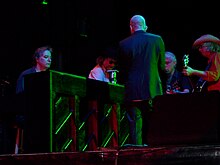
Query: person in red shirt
{"points": [[209, 46]]}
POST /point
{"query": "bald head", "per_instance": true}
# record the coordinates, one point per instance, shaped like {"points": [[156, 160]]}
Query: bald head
{"points": [[137, 22]]}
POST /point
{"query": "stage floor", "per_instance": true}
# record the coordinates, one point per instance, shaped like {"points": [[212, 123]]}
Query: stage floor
{"points": [[161, 155]]}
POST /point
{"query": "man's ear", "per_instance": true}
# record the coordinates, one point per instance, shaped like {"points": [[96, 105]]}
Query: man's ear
{"points": [[146, 27]]}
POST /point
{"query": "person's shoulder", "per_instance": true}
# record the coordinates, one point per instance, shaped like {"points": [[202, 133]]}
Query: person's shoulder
{"points": [[154, 38], [153, 35], [96, 68], [28, 71], [124, 40], [179, 73]]}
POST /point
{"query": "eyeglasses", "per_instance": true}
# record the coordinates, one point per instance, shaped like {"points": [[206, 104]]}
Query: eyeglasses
{"points": [[205, 47]]}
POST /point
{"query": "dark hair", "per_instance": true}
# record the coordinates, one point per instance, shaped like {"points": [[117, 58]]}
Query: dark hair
{"points": [[109, 52], [39, 51]]}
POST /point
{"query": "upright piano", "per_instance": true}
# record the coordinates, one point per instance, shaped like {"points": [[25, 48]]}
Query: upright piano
{"points": [[56, 109]]}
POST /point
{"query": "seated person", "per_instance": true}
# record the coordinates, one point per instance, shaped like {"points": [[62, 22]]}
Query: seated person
{"points": [[209, 78], [104, 63], [176, 81], [42, 59]]}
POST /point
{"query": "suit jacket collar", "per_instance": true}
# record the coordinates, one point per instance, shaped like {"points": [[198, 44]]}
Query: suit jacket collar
{"points": [[139, 31]]}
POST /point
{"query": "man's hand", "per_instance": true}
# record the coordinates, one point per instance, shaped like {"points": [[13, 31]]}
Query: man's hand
{"points": [[188, 71]]}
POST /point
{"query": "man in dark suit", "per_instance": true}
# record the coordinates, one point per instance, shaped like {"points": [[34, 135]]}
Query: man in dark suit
{"points": [[142, 67]]}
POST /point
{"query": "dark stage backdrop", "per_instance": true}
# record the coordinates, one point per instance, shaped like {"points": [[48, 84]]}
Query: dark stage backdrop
{"points": [[79, 30]]}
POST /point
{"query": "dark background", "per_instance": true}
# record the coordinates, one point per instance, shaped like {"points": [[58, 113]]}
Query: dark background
{"points": [[79, 30]]}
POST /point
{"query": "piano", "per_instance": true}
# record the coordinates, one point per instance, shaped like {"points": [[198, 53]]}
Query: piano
{"points": [[54, 109]]}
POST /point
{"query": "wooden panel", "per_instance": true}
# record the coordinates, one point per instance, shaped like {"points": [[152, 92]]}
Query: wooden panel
{"points": [[51, 121], [185, 119]]}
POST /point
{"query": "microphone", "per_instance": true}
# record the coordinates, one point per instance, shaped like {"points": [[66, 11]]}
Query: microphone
{"points": [[113, 76]]}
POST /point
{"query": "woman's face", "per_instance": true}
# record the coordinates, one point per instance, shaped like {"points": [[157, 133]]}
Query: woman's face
{"points": [[44, 61]]}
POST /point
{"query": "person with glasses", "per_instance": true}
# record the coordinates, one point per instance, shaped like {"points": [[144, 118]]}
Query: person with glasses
{"points": [[104, 63], [98, 104], [176, 81], [209, 78]]}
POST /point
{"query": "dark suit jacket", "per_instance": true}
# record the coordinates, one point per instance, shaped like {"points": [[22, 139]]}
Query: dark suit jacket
{"points": [[142, 65]]}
